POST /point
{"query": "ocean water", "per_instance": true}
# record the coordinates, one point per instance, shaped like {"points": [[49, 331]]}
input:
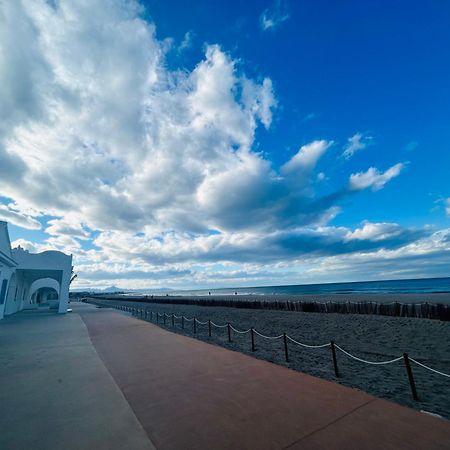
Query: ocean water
{"points": [[415, 286]]}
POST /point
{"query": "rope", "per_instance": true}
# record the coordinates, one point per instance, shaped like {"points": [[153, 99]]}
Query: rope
{"points": [[377, 363], [429, 368], [306, 345], [268, 337], [138, 311], [218, 326], [237, 331]]}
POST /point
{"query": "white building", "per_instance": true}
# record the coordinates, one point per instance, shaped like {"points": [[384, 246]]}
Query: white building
{"points": [[32, 280]]}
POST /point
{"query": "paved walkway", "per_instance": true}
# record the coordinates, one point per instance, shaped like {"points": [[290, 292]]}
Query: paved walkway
{"points": [[153, 386], [55, 392], [188, 394]]}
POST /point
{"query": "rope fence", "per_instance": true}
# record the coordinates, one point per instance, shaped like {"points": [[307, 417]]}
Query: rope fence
{"points": [[286, 338]]}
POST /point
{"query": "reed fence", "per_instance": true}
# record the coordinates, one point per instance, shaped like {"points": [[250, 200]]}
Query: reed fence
{"points": [[425, 310]]}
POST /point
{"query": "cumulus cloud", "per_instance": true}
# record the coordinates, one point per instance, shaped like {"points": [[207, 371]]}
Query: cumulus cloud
{"points": [[275, 15], [428, 256], [355, 143], [135, 162], [67, 226], [384, 232], [373, 178], [19, 219]]}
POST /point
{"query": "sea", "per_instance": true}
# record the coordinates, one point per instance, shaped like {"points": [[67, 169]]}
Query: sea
{"points": [[414, 286]]}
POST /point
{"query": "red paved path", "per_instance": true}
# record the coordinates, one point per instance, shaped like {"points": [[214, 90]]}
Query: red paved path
{"points": [[188, 394]]}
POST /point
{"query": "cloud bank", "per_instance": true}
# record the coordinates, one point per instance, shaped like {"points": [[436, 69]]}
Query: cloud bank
{"points": [[152, 175]]}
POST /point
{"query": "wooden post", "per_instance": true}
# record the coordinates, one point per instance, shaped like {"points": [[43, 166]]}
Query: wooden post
{"points": [[157, 317], [253, 339], [229, 332], [182, 322], [286, 354], [209, 327], [412, 384], [173, 320], [195, 325], [333, 353], [164, 318]]}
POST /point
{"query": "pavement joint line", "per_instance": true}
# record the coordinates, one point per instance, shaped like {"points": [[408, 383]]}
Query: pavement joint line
{"points": [[330, 423]]}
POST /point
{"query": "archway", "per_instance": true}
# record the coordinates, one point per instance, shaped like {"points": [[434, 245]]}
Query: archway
{"points": [[47, 297], [45, 292]]}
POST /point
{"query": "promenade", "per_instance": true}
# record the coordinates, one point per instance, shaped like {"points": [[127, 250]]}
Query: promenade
{"points": [[99, 378]]}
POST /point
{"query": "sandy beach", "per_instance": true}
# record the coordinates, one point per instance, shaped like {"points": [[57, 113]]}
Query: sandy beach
{"points": [[434, 297], [374, 338]]}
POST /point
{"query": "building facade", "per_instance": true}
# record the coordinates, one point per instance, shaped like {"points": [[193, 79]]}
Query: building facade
{"points": [[32, 280]]}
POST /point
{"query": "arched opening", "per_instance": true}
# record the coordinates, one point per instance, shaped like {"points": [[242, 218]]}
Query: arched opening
{"points": [[44, 293], [46, 296]]}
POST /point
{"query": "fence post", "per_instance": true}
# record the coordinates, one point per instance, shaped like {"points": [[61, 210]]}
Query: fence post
{"points": [[157, 317], [209, 327], [164, 318], [195, 325], [286, 354], [229, 332], [333, 353], [412, 384], [182, 322], [253, 339], [173, 321]]}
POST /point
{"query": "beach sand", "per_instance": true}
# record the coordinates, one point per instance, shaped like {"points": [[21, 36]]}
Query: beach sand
{"points": [[370, 337], [432, 297]]}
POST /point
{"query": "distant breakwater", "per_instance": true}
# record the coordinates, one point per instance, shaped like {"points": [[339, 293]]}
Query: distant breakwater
{"points": [[425, 310]]}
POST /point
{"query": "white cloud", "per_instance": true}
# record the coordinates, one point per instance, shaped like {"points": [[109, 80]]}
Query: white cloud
{"points": [[355, 143], [306, 158], [27, 245], [375, 232], [153, 170], [187, 41], [428, 256], [275, 15], [373, 178], [447, 209], [19, 219], [69, 226]]}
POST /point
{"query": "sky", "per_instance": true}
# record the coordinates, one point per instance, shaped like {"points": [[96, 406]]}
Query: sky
{"points": [[214, 144]]}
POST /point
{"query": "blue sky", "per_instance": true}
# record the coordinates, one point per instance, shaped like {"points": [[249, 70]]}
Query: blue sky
{"points": [[207, 144]]}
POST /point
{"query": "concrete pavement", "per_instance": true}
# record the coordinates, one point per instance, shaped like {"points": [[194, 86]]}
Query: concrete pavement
{"points": [[55, 392]]}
